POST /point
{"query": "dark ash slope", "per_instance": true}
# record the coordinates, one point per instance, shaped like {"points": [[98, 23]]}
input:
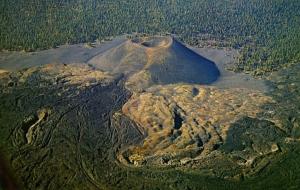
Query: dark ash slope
{"points": [[163, 59]]}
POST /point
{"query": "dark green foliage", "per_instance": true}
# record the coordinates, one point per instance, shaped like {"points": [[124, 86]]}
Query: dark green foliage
{"points": [[268, 29]]}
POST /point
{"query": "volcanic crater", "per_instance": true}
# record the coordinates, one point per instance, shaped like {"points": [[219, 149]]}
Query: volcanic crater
{"points": [[156, 60]]}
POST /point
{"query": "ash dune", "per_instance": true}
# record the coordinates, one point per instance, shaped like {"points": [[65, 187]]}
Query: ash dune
{"points": [[65, 54], [156, 60]]}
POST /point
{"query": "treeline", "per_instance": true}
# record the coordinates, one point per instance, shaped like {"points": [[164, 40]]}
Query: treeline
{"points": [[268, 30]]}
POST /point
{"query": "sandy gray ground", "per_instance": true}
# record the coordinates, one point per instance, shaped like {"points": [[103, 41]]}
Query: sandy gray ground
{"points": [[228, 79], [79, 53]]}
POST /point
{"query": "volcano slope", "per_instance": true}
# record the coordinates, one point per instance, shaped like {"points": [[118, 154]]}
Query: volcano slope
{"points": [[124, 121], [156, 60]]}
